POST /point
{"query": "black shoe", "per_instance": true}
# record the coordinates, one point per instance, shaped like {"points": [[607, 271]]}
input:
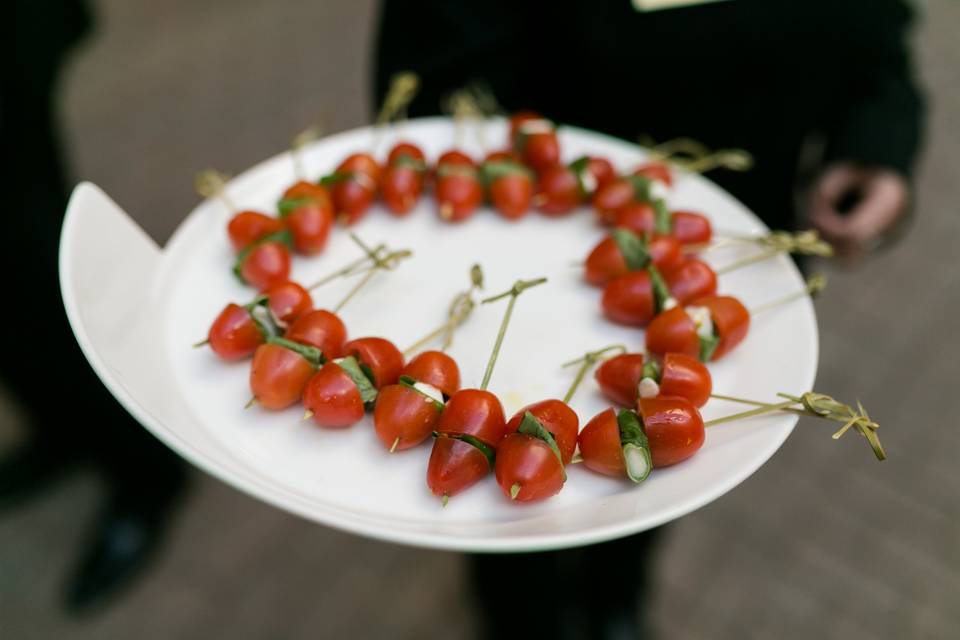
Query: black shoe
{"points": [[30, 468], [127, 535]]}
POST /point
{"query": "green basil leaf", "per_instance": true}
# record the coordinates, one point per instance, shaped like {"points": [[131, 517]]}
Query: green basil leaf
{"points": [[641, 187], [350, 366], [445, 170], [580, 164], [635, 444], [633, 248], [410, 383], [484, 448], [309, 353], [283, 236], [530, 426], [334, 178], [490, 171], [286, 205], [652, 370], [708, 346], [660, 290], [263, 319], [662, 221]]}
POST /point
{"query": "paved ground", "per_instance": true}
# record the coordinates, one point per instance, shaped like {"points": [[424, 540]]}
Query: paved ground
{"points": [[823, 542]]}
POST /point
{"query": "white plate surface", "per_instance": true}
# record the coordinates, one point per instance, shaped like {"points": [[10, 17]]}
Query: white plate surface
{"points": [[345, 479]]}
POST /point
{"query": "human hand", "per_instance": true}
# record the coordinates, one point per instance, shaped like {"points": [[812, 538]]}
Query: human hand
{"points": [[877, 198]]}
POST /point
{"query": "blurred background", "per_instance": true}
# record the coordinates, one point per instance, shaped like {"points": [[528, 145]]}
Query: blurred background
{"points": [[822, 542]]}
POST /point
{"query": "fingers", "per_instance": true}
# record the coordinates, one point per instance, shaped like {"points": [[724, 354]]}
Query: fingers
{"points": [[884, 201]]}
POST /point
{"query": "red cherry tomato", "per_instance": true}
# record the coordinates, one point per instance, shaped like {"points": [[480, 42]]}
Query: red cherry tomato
{"points": [[619, 377], [731, 321], [333, 397], [405, 149], [540, 150], [511, 194], [306, 189], [601, 170], [606, 261], [476, 413], [674, 429], [288, 301], [436, 369], [310, 225], [692, 279], [527, 469], [690, 228], [404, 417], [321, 329], [402, 180], [380, 356], [600, 445], [517, 120], [504, 155], [673, 331], [639, 217], [558, 190], [265, 265], [458, 192], [354, 194], [454, 466], [247, 227], [233, 335], [629, 299], [610, 198], [457, 158], [556, 417], [686, 377], [278, 376], [656, 171]]}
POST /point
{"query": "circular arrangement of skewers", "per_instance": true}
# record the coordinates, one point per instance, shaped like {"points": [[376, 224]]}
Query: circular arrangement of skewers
{"points": [[646, 269]]}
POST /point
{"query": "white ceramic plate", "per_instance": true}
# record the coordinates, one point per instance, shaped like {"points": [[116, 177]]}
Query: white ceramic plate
{"points": [[136, 310]]}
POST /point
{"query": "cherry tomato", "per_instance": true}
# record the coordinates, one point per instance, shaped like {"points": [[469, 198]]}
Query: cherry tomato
{"points": [[602, 172], [600, 445], [455, 157], [404, 417], [511, 194], [306, 189], [674, 429], [310, 225], [517, 120], [606, 261], [527, 469], [558, 190], [458, 191], [692, 279], [354, 191], [690, 228], [405, 149], [247, 227], [288, 301], [333, 397], [474, 412], [278, 376], [455, 466], [233, 335], [540, 150], [380, 356], [436, 369], [265, 264], [629, 299], [639, 217], [686, 377], [619, 377], [659, 171], [504, 155], [556, 417], [321, 329], [731, 321], [402, 180], [673, 331], [610, 198]]}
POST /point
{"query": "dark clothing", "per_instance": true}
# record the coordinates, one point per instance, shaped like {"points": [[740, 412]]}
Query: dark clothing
{"points": [[66, 405], [759, 75], [753, 74]]}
